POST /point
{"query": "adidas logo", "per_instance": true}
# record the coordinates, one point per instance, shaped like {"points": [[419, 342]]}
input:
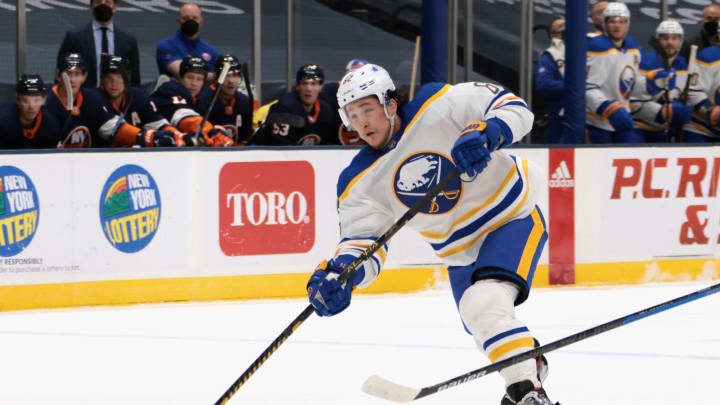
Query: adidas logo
{"points": [[562, 178]]}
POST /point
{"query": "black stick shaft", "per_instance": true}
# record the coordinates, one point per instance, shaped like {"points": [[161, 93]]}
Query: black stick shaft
{"points": [[417, 207], [567, 341], [220, 81]]}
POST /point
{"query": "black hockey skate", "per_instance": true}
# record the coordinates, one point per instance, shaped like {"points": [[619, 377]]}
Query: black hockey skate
{"points": [[542, 373], [525, 393]]}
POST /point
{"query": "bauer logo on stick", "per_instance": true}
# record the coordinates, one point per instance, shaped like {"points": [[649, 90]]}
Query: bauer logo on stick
{"points": [[130, 208], [418, 173], [19, 210]]}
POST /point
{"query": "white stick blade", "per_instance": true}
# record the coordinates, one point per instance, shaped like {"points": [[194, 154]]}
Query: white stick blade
{"points": [[223, 73], [69, 102], [382, 388]]}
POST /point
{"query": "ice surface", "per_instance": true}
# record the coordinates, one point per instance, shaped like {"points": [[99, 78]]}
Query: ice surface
{"points": [[189, 353]]}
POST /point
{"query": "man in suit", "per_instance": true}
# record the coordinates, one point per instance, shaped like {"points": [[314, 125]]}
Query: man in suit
{"points": [[99, 37]]}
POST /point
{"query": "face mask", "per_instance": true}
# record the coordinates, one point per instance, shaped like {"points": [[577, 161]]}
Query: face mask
{"points": [[710, 28], [189, 28], [103, 13]]}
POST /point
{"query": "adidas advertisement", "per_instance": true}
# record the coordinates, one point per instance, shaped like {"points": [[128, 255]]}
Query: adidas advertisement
{"points": [[561, 176], [130, 208]]}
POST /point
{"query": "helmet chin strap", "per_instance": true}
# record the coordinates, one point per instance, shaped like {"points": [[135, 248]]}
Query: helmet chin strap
{"points": [[392, 124]]}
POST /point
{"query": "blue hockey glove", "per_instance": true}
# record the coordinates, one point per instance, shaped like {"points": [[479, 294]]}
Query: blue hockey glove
{"points": [[325, 292], [477, 141], [659, 80], [677, 114], [617, 114]]}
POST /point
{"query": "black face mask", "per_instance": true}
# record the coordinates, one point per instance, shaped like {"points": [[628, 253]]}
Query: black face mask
{"points": [[710, 28], [103, 13], [189, 28]]}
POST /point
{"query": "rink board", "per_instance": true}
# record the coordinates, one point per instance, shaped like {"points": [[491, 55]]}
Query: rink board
{"points": [[86, 228]]}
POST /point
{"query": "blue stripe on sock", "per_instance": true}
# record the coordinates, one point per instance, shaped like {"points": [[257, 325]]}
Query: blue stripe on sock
{"points": [[503, 335]]}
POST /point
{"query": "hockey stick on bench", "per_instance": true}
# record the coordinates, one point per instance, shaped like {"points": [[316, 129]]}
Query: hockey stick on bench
{"points": [[409, 214], [221, 79], [382, 388]]}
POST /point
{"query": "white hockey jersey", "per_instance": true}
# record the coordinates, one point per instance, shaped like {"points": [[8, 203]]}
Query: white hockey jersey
{"points": [[380, 185], [645, 106], [705, 90], [611, 75]]}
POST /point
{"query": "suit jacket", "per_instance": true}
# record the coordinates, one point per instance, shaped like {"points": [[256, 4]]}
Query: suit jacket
{"points": [[81, 40]]}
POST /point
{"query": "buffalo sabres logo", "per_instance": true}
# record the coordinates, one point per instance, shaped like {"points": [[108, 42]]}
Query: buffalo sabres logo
{"points": [[626, 81], [420, 172]]}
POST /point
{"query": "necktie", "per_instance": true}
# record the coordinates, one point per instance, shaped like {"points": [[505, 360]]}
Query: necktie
{"points": [[104, 48]]}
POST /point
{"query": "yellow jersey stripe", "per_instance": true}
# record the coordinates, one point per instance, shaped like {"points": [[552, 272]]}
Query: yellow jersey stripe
{"points": [[596, 116], [531, 245], [609, 51], [427, 104], [420, 111], [435, 235], [510, 346], [498, 224], [380, 252], [506, 100], [356, 179], [707, 63]]}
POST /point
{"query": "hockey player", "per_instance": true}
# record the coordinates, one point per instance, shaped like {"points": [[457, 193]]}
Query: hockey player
{"points": [[89, 123], [487, 228], [303, 102], [134, 104], [657, 107], [232, 108], [704, 97], [177, 102], [549, 78], [596, 16], [329, 94], [25, 123], [612, 62]]}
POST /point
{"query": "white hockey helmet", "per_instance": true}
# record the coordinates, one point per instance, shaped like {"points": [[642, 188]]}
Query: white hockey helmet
{"points": [[616, 9], [669, 27], [367, 80]]}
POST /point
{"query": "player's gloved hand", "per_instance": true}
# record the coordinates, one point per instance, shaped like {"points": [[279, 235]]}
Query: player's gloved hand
{"points": [[325, 292], [158, 137], [659, 80], [477, 141], [676, 114], [217, 136], [713, 115], [617, 114]]}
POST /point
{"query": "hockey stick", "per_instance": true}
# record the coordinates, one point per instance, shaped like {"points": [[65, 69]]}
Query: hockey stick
{"points": [[692, 81], [382, 388], [409, 214], [220, 81], [69, 101], [692, 72], [246, 79]]}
